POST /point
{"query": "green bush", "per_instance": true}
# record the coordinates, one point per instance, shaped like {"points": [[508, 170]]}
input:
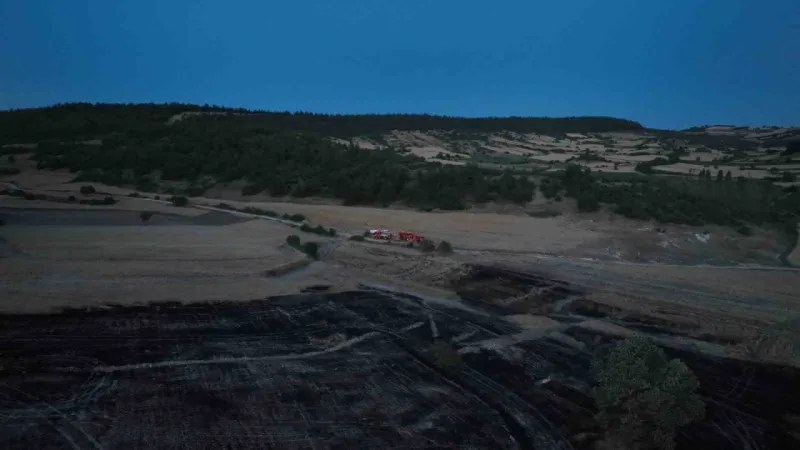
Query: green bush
{"points": [[356, 237], [331, 232], [306, 228], [544, 214], [311, 249], [293, 240], [108, 200], [294, 217], [444, 248], [71, 198], [427, 246], [88, 190], [179, 201], [146, 215], [643, 397], [744, 230]]}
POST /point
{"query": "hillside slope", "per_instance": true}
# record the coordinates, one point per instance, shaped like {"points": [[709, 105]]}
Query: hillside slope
{"points": [[423, 161]]}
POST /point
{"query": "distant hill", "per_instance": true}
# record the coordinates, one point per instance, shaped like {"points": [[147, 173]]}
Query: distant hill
{"points": [[423, 161], [86, 120]]}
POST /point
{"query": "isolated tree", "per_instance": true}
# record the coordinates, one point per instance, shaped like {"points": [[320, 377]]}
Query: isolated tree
{"points": [[643, 397], [179, 201], [728, 176], [426, 245], [720, 175], [293, 240], [311, 249]]}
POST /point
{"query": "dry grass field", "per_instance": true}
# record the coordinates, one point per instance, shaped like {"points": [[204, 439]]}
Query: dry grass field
{"points": [[52, 266]]}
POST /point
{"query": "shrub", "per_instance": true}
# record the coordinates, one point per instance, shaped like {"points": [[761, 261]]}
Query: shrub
{"points": [[157, 197], [108, 200], [29, 196], [588, 203], [2, 222], [643, 397], [357, 238], [544, 214], [88, 190], [146, 215], [427, 245], [179, 201], [133, 194], [293, 240], [306, 228], [294, 217], [331, 232], [12, 159], [71, 198], [311, 249], [444, 248], [9, 171], [744, 230]]}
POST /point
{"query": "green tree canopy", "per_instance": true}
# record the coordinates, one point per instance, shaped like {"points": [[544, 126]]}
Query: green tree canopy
{"points": [[643, 397]]}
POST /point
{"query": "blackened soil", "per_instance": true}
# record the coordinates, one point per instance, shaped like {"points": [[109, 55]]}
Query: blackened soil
{"points": [[489, 285], [320, 370]]}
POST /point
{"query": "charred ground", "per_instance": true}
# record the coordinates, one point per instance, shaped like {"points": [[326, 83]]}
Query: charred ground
{"points": [[342, 370]]}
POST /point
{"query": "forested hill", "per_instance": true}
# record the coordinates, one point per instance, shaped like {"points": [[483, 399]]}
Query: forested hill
{"points": [[87, 121]]}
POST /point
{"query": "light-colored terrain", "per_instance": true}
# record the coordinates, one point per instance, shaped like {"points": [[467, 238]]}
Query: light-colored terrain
{"points": [[621, 150]]}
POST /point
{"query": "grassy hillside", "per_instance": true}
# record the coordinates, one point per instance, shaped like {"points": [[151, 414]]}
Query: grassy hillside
{"points": [[420, 160]]}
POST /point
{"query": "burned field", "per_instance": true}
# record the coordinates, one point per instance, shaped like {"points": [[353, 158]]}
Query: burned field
{"points": [[357, 369]]}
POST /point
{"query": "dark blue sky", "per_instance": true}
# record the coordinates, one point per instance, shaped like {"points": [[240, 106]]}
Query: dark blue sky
{"points": [[668, 64]]}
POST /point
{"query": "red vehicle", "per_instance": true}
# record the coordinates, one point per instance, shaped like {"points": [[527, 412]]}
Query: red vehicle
{"points": [[409, 236]]}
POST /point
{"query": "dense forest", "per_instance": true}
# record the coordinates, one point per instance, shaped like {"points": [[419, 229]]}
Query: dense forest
{"points": [[276, 152], [291, 154], [719, 200], [90, 121]]}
